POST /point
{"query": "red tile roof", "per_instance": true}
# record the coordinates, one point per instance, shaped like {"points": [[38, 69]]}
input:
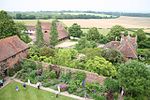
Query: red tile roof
{"points": [[62, 33], [127, 46], [10, 46], [46, 26]]}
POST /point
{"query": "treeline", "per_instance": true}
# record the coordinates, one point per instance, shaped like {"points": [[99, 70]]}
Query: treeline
{"points": [[127, 14], [56, 15]]}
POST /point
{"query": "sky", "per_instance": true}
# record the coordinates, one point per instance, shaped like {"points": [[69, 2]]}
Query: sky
{"points": [[141, 6]]}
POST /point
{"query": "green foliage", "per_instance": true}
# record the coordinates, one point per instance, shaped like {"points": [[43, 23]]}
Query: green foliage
{"points": [[144, 43], [39, 34], [134, 77], [94, 88], [101, 66], [52, 74], [28, 64], [113, 56], [93, 34], [84, 43], [91, 52], [64, 57], [65, 77], [45, 51], [54, 33], [72, 87], [21, 28], [144, 55], [111, 85], [79, 76], [140, 35], [115, 32], [75, 30], [7, 25]]}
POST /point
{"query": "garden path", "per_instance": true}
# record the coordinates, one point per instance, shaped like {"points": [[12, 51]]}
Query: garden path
{"points": [[54, 91]]}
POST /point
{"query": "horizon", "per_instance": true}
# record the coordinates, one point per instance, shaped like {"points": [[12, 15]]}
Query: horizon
{"points": [[128, 6]]}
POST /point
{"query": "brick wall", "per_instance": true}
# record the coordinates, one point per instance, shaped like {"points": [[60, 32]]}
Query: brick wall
{"points": [[90, 76]]}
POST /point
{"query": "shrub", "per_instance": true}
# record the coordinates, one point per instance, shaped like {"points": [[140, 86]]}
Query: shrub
{"points": [[72, 87], [52, 74], [80, 76], [65, 77], [10, 72]]}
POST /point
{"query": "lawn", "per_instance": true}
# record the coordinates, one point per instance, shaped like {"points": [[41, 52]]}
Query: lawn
{"points": [[103, 31], [30, 93]]}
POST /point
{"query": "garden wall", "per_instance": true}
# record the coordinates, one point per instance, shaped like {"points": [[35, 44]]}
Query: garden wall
{"points": [[90, 76]]}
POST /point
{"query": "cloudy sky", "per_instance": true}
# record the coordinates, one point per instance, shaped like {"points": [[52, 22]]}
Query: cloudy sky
{"points": [[93, 5]]}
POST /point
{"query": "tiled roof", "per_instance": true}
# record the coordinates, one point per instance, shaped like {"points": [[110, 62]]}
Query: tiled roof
{"points": [[112, 44], [62, 33], [127, 46], [10, 46], [46, 26]]}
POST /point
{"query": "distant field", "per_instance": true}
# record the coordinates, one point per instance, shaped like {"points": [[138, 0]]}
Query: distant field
{"points": [[128, 22], [101, 15]]}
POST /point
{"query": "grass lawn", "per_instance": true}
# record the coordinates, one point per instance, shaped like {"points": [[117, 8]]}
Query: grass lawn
{"points": [[30, 93], [103, 31]]}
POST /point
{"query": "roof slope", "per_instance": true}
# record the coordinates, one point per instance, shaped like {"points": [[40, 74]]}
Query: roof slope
{"points": [[10, 46]]}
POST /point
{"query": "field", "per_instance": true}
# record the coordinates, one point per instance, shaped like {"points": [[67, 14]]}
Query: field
{"points": [[128, 22], [30, 93]]}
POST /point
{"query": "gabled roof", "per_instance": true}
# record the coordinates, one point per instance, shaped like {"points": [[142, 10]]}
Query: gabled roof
{"points": [[62, 33], [10, 46], [112, 44], [127, 46]]}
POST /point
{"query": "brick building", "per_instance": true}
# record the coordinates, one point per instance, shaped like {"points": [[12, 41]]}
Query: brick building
{"points": [[127, 46], [12, 50], [46, 28]]}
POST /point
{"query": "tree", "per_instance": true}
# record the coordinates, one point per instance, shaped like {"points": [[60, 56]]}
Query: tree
{"points": [[65, 57], [101, 66], [18, 16], [112, 86], [75, 30], [93, 34], [21, 28], [113, 56], [115, 32], [39, 34], [141, 36], [134, 77], [54, 33], [91, 52], [84, 43], [7, 25]]}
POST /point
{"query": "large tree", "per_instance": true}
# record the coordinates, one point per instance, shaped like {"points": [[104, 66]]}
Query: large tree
{"points": [[39, 34], [21, 28], [93, 34], [54, 33], [84, 43], [134, 77], [7, 25], [113, 56], [75, 30], [141, 35], [115, 32], [101, 66]]}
